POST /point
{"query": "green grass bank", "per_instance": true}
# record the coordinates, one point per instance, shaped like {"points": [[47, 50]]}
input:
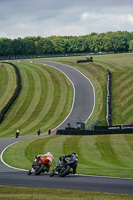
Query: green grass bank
{"points": [[108, 155]]}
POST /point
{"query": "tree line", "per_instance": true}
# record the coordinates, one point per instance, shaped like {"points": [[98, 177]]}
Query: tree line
{"points": [[120, 41]]}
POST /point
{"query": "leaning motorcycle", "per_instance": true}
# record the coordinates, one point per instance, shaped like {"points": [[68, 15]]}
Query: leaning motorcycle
{"points": [[38, 167], [64, 165]]}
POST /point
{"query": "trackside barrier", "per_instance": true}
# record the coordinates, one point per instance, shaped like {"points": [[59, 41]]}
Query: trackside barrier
{"points": [[109, 98], [93, 124], [94, 132]]}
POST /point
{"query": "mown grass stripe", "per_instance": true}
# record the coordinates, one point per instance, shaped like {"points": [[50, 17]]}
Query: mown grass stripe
{"points": [[128, 115], [124, 84], [91, 155], [123, 150], [127, 95], [107, 65], [45, 102], [107, 151], [35, 93], [128, 105], [119, 77]]}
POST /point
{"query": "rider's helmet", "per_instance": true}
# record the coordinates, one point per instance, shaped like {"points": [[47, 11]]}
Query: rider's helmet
{"points": [[74, 154], [49, 154]]}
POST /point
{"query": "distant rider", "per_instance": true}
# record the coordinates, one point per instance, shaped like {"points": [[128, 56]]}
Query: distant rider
{"points": [[38, 131], [46, 159], [17, 134]]}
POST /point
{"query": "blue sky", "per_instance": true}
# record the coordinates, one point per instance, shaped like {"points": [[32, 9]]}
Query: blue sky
{"points": [[63, 17]]}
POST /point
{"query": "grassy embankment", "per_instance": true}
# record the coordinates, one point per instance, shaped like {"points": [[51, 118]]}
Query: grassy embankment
{"points": [[15, 193], [44, 102]]}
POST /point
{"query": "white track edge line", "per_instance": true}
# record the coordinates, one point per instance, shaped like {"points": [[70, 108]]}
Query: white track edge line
{"points": [[1, 157]]}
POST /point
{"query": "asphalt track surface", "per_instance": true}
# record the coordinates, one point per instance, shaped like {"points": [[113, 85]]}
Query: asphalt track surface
{"points": [[82, 108], [84, 100]]}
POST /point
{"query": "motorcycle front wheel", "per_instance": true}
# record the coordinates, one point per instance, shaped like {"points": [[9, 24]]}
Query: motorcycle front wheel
{"points": [[65, 172], [52, 173], [29, 172]]}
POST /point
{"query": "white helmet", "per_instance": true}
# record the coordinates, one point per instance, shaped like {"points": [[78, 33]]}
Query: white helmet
{"points": [[49, 154]]}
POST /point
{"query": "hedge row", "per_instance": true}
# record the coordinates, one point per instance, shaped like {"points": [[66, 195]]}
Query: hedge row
{"points": [[15, 95]]}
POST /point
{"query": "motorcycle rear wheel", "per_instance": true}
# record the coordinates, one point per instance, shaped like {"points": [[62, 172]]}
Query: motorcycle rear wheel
{"points": [[65, 172], [38, 172]]}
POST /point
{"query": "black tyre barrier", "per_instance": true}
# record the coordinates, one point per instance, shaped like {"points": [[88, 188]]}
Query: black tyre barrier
{"points": [[80, 61], [109, 97], [95, 132], [15, 95]]}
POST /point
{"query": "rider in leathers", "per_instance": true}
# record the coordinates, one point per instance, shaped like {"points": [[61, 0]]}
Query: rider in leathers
{"points": [[47, 159], [72, 156]]}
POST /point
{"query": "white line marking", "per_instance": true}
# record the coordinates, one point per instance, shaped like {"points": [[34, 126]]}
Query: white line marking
{"points": [[1, 157]]}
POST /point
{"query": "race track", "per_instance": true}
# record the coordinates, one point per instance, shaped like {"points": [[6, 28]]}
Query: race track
{"points": [[83, 106], [84, 100]]}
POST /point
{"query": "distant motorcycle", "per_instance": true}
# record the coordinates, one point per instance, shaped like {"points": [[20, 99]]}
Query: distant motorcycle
{"points": [[64, 165], [17, 134], [38, 167]]}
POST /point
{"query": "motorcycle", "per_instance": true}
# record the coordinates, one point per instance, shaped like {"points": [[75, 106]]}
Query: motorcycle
{"points": [[38, 167], [64, 165]]}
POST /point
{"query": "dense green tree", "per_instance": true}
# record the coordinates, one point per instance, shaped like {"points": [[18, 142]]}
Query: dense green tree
{"points": [[131, 45], [120, 41]]}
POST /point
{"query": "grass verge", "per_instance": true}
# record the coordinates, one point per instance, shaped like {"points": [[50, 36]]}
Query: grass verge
{"points": [[17, 193]]}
